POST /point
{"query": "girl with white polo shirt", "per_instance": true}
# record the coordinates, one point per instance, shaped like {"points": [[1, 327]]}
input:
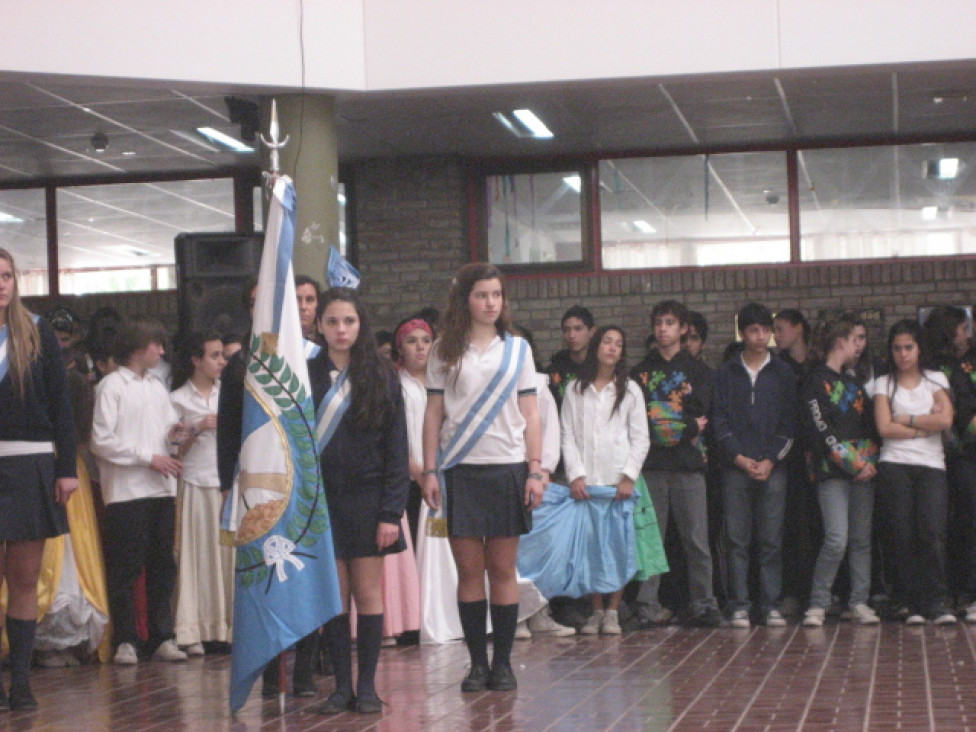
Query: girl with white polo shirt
{"points": [[482, 438]]}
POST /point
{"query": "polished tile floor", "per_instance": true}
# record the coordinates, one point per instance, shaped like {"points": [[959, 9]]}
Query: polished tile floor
{"points": [[840, 677]]}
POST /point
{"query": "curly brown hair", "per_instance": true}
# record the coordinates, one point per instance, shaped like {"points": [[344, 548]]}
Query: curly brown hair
{"points": [[455, 323]]}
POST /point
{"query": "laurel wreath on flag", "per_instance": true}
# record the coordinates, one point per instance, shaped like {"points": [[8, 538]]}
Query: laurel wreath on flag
{"points": [[306, 524]]}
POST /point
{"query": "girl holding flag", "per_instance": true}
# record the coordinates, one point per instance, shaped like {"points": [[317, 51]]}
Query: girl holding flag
{"points": [[483, 439], [361, 436]]}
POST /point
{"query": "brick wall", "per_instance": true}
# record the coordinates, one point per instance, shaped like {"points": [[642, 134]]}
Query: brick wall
{"points": [[412, 237]]}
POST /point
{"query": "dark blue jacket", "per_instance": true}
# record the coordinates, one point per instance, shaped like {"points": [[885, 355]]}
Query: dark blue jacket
{"points": [[756, 421]]}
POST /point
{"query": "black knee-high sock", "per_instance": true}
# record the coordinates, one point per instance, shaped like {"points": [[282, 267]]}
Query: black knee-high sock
{"points": [[20, 633], [504, 619], [473, 616], [338, 637], [369, 637]]}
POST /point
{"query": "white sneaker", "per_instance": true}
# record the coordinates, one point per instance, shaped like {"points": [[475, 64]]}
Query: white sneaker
{"points": [[945, 618], [814, 618], [914, 619], [775, 619], [169, 651], [125, 655], [194, 649], [593, 623], [740, 619], [542, 622], [522, 631], [971, 613], [864, 614], [610, 624]]}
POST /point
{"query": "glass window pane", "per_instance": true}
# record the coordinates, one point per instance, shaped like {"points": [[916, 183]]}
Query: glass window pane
{"points": [[694, 211], [899, 201], [23, 232], [534, 218], [116, 238]]}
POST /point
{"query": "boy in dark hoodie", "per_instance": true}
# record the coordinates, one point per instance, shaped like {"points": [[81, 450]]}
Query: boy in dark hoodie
{"points": [[753, 419], [577, 326], [677, 391]]}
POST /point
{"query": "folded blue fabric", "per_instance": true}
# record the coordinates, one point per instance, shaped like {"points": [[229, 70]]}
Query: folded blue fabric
{"points": [[578, 548]]}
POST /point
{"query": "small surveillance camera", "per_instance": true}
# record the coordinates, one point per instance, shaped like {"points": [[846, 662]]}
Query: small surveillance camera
{"points": [[772, 198], [99, 141]]}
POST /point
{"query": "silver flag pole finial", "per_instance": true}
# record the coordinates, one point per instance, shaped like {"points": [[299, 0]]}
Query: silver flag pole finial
{"points": [[274, 144]]}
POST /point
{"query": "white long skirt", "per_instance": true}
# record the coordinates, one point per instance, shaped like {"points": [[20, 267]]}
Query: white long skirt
{"points": [[205, 583]]}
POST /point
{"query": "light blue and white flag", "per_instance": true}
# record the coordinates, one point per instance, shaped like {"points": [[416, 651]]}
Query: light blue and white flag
{"points": [[340, 273], [286, 581]]}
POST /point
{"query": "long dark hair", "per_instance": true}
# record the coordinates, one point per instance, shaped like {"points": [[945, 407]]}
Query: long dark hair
{"points": [[193, 345], [904, 327], [455, 323], [370, 374], [939, 334], [589, 368]]}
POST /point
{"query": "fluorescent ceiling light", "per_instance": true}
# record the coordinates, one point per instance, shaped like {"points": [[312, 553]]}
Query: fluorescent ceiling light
{"points": [[643, 227], [534, 124], [524, 123], [195, 139], [132, 251], [930, 213], [574, 182], [942, 169], [342, 199], [6, 218], [226, 140]]}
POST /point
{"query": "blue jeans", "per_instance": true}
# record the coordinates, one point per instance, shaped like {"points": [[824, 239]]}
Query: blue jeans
{"points": [[846, 507], [750, 503]]}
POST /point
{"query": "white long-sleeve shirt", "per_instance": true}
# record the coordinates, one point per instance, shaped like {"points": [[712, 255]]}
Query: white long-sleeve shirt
{"points": [[549, 414], [415, 404], [200, 461], [599, 444], [131, 421]]}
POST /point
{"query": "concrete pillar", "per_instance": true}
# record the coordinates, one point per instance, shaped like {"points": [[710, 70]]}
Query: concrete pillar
{"points": [[311, 159]]}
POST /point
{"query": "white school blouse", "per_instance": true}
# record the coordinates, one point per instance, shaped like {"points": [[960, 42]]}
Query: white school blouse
{"points": [[599, 444], [200, 461], [549, 413], [504, 440], [925, 451], [415, 404], [131, 421]]}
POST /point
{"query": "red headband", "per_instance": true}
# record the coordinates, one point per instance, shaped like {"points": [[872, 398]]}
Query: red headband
{"points": [[409, 327]]}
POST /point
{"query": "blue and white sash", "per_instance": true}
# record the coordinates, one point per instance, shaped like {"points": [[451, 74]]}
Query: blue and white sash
{"points": [[483, 412], [334, 405], [4, 355], [311, 349]]}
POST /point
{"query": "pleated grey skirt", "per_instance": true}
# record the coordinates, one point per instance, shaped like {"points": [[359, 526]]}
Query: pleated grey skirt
{"points": [[487, 500], [28, 510]]}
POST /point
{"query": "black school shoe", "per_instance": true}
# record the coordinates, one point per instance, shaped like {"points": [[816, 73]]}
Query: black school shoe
{"points": [[369, 703], [502, 678], [21, 700], [477, 679], [337, 703]]}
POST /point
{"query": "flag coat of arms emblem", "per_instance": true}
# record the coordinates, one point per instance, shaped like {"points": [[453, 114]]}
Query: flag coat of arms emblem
{"points": [[286, 581]]}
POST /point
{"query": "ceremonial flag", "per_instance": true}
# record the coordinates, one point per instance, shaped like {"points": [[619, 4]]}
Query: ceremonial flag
{"points": [[286, 582], [339, 272]]}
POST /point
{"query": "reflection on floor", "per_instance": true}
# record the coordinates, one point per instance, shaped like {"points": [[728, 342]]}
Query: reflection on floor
{"points": [[840, 677]]}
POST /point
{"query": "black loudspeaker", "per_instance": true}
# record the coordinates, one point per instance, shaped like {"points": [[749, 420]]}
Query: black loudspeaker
{"points": [[211, 272]]}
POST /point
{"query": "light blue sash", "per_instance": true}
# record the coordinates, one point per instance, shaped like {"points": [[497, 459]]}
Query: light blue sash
{"points": [[334, 405], [483, 412], [4, 355]]}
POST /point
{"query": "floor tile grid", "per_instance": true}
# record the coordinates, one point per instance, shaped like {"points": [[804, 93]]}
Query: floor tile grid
{"points": [[721, 706], [642, 672], [953, 677], [690, 714], [901, 698], [841, 696]]}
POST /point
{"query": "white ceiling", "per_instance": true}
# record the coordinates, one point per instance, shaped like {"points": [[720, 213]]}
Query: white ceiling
{"points": [[46, 127]]}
